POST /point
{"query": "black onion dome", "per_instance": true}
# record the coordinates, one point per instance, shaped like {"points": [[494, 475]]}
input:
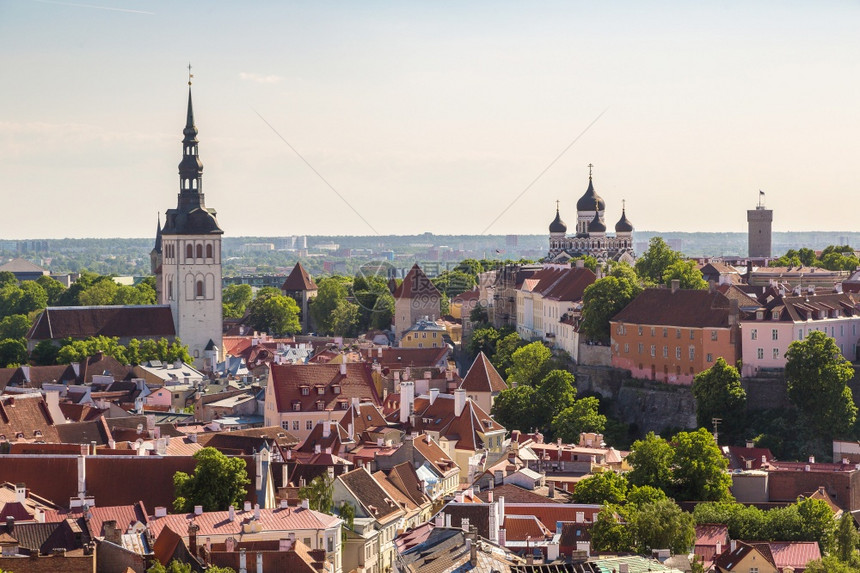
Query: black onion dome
{"points": [[597, 225], [623, 225], [557, 225], [591, 201]]}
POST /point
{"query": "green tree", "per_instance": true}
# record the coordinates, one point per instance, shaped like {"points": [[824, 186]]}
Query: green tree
{"points": [[483, 340], [555, 393], [505, 348], [347, 514], [847, 540], [383, 312], [816, 520], [514, 408], [217, 483], [45, 353], [699, 468], [661, 525], [236, 299], [529, 364], [274, 313], [651, 459], [608, 533], [319, 493], [7, 278], [644, 494], [14, 326], [719, 394], [583, 416], [13, 352], [688, 276], [603, 300], [470, 267], [76, 350], [478, 315], [101, 292], [344, 318], [817, 375], [605, 487], [331, 290], [453, 282], [830, 564], [654, 262]]}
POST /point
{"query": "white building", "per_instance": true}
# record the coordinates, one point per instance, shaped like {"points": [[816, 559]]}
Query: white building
{"points": [[187, 259]]}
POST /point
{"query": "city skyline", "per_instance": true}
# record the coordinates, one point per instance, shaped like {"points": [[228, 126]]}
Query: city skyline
{"points": [[417, 117]]}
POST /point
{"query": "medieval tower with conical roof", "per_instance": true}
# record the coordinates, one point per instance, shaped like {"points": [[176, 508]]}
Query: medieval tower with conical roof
{"points": [[590, 237], [186, 258]]}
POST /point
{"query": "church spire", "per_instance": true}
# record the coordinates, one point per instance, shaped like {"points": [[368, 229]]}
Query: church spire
{"points": [[190, 168], [157, 247]]}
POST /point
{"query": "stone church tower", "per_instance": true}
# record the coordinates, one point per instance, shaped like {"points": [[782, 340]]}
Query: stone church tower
{"points": [[186, 259]]}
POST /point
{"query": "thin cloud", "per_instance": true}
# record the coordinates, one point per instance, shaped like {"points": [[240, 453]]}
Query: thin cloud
{"points": [[109, 8], [259, 78]]}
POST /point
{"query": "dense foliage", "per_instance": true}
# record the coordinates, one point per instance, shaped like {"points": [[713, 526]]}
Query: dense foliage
{"points": [[218, 482]]}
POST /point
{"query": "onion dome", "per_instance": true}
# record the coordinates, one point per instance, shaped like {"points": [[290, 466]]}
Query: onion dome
{"points": [[557, 225], [591, 201], [597, 225], [623, 225]]}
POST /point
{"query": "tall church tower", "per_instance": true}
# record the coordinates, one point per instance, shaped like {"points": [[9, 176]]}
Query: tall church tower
{"points": [[190, 257], [760, 221]]}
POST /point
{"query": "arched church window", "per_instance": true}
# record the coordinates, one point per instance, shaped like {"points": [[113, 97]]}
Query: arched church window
{"points": [[209, 251], [194, 184], [199, 289], [199, 251], [189, 253]]}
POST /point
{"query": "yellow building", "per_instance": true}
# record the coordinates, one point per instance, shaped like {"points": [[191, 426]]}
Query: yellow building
{"points": [[424, 334]]}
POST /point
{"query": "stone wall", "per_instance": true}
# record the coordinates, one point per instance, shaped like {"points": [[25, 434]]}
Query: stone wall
{"points": [[592, 355], [649, 405]]}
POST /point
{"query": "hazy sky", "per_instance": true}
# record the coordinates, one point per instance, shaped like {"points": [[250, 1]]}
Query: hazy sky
{"points": [[428, 116]]}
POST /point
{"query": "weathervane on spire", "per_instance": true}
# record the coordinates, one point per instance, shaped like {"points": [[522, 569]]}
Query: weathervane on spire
{"points": [[623, 205], [556, 205], [190, 75], [589, 170]]}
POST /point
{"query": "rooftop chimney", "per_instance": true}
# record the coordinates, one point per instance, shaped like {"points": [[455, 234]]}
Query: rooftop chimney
{"points": [[198, 510], [20, 493], [326, 428], [676, 285], [343, 367], [459, 401], [407, 395], [231, 513], [247, 506], [434, 393]]}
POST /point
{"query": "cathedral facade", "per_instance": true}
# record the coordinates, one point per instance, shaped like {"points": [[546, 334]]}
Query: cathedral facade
{"points": [[590, 237], [186, 259]]}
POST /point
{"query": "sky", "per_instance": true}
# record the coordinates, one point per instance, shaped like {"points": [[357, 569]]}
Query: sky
{"points": [[370, 117]]}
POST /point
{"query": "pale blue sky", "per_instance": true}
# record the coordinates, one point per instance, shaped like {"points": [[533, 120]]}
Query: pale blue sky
{"points": [[428, 116]]}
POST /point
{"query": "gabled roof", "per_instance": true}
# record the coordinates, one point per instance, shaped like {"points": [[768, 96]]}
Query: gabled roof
{"points": [[218, 522], [124, 515], [416, 285], [299, 280], [434, 454], [21, 266], [682, 308], [483, 376], [371, 495], [729, 559], [794, 554], [523, 527], [563, 284], [463, 429], [397, 358], [288, 382], [25, 417], [58, 322]]}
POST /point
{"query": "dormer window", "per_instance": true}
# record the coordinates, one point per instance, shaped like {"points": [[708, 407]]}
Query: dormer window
{"points": [[759, 315], [305, 390], [344, 405], [297, 406], [320, 405], [38, 433], [336, 388], [775, 315], [320, 390]]}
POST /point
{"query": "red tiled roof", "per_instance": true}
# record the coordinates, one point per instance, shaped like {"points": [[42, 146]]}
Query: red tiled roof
{"points": [[561, 284], [712, 533], [522, 527], [25, 418], [794, 554], [371, 495], [464, 428], [416, 285], [165, 545], [434, 454], [288, 380], [218, 522], [550, 513], [398, 358], [59, 322], [299, 280], [684, 308], [124, 515], [483, 376]]}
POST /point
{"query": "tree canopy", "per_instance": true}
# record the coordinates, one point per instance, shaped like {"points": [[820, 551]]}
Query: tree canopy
{"points": [[603, 300], [218, 482], [817, 375], [719, 394], [604, 487], [653, 263], [274, 313], [688, 276], [529, 364]]}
